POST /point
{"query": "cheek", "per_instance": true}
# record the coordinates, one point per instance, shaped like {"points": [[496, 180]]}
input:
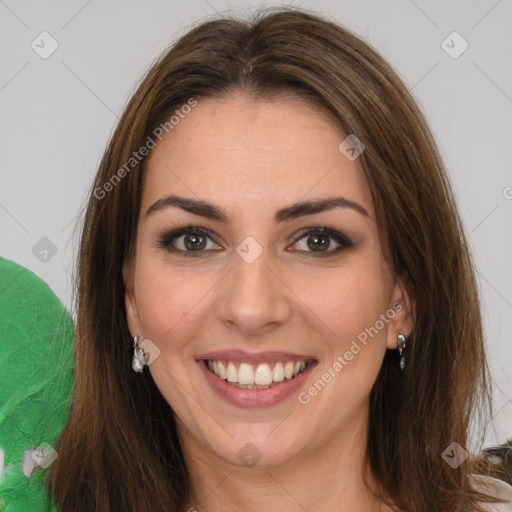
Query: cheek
{"points": [[349, 299], [340, 302], [351, 307], [165, 299]]}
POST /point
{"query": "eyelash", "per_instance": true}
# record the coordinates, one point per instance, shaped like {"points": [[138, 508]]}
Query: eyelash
{"points": [[165, 239]]}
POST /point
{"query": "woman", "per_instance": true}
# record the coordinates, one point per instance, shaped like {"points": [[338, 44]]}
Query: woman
{"points": [[272, 244]]}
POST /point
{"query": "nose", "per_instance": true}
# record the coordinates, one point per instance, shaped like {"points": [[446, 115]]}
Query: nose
{"points": [[254, 298]]}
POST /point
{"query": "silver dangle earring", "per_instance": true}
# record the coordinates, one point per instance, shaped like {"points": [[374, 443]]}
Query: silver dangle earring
{"points": [[139, 358], [401, 347]]}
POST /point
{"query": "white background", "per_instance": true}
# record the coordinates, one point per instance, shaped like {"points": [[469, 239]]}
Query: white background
{"points": [[57, 114]]}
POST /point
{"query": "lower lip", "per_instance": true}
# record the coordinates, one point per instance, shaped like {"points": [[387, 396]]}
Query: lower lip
{"points": [[255, 397]]}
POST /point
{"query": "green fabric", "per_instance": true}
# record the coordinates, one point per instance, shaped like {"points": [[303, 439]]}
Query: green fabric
{"points": [[36, 382]]}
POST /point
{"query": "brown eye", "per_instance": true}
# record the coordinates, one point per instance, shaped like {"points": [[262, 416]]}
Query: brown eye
{"points": [[318, 241], [187, 241], [194, 242]]}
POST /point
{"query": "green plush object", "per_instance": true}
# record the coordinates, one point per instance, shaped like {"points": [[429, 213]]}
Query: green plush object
{"points": [[36, 385]]}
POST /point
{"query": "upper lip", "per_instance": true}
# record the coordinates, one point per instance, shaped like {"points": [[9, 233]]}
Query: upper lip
{"points": [[254, 357]]}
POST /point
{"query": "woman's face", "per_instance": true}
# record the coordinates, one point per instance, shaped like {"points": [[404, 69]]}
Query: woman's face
{"points": [[254, 291]]}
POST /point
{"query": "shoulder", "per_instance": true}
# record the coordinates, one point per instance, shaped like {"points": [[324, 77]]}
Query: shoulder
{"points": [[494, 487]]}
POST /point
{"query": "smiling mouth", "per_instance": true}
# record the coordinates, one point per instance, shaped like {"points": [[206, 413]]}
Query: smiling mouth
{"points": [[257, 376]]}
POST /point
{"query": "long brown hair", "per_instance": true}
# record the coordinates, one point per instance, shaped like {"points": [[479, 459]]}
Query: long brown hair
{"points": [[120, 449]]}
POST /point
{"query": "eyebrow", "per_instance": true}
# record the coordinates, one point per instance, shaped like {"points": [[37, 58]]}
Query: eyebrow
{"points": [[300, 209]]}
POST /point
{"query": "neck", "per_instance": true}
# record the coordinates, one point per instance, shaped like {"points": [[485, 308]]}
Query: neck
{"points": [[327, 477]]}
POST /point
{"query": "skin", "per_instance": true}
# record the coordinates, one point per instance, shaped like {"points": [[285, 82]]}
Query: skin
{"points": [[252, 158]]}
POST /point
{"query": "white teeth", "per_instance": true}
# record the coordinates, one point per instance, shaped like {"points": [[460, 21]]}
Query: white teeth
{"points": [[222, 371], [278, 372], [255, 377], [263, 374], [288, 370], [246, 374], [232, 374]]}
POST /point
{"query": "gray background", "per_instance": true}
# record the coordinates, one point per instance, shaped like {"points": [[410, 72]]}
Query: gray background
{"points": [[57, 114]]}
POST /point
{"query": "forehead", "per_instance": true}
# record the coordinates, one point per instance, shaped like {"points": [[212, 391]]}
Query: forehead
{"points": [[247, 153]]}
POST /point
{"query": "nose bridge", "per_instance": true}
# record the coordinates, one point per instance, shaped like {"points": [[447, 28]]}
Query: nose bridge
{"points": [[252, 296]]}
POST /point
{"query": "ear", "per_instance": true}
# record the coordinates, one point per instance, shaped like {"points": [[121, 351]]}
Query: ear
{"points": [[404, 306], [132, 317]]}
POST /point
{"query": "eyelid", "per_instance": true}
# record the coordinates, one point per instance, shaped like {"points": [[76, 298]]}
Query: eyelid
{"points": [[166, 236], [340, 238], [324, 230]]}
